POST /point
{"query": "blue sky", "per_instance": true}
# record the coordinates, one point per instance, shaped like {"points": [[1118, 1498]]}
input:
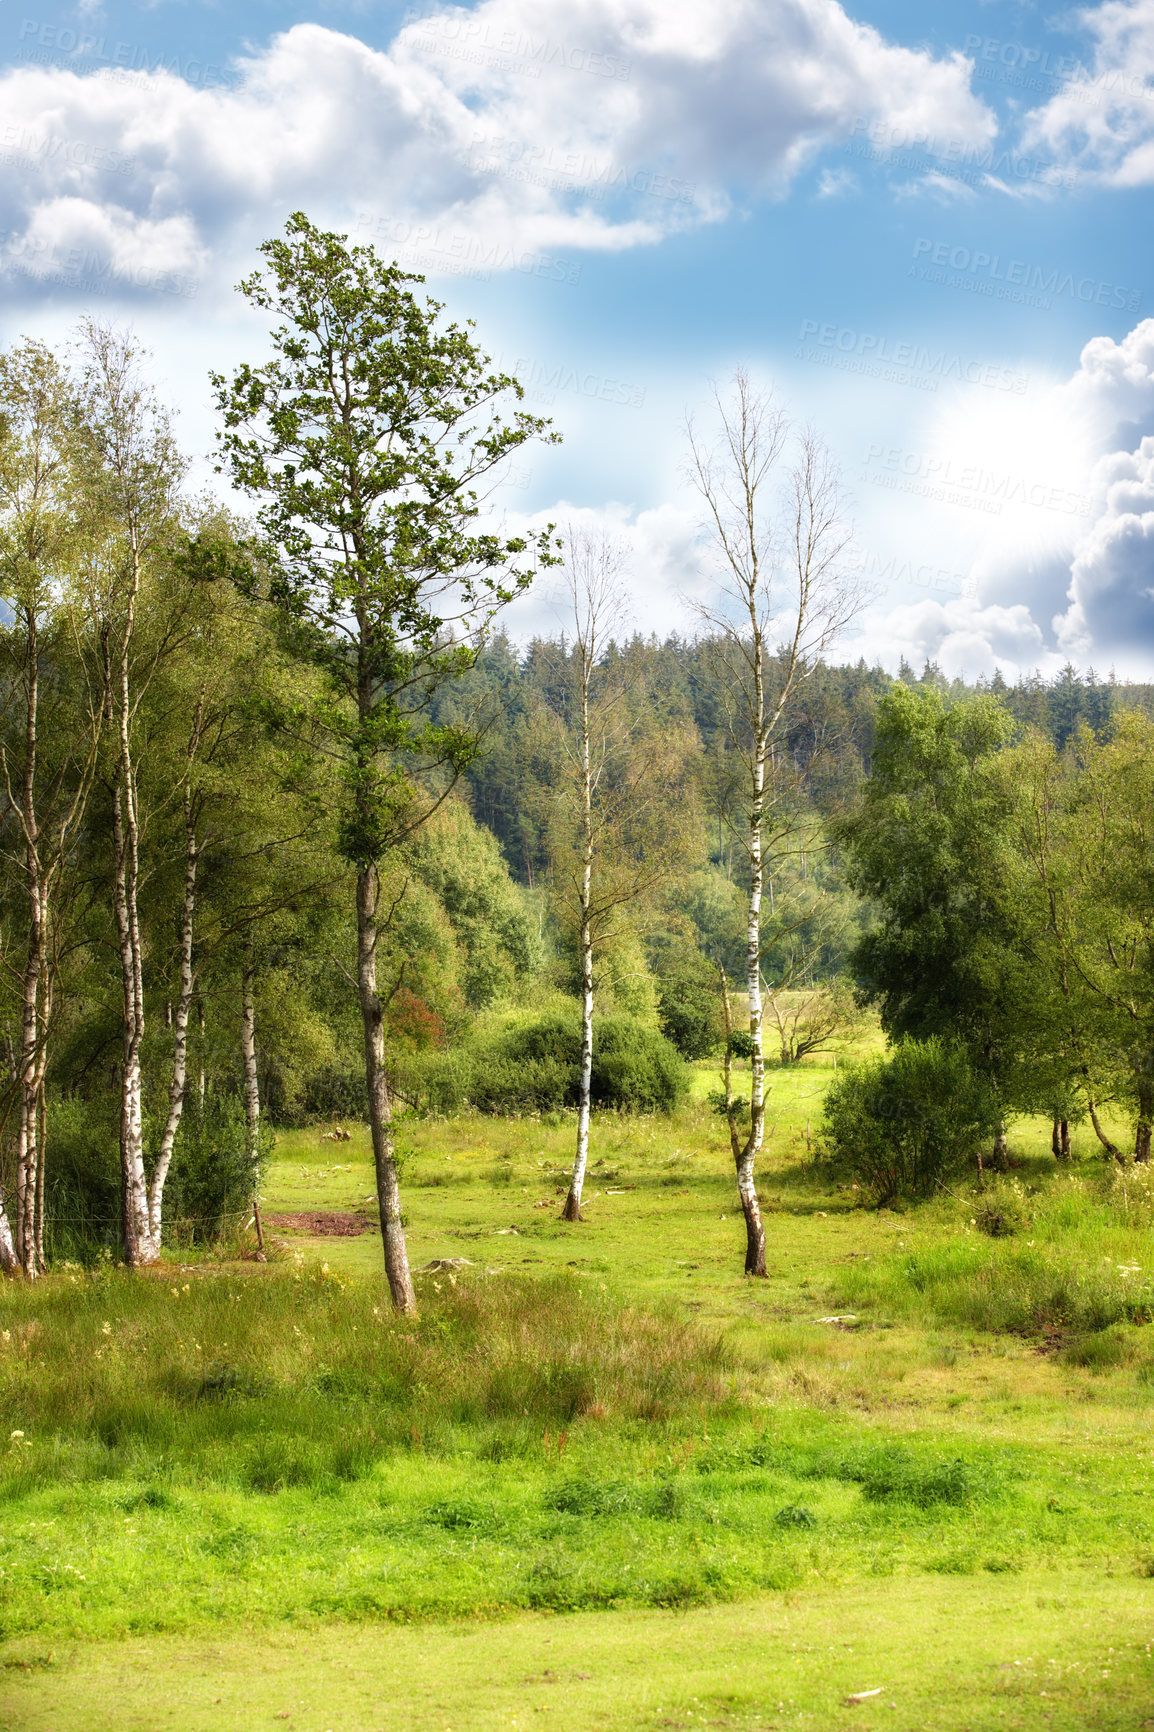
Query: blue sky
{"points": [[930, 232]]}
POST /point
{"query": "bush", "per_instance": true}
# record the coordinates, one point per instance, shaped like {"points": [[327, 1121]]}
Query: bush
{"points": [[905, 1123], [689, 1003], [211, 1181], [534, 1066], [635, 1068], [82, 1180]]}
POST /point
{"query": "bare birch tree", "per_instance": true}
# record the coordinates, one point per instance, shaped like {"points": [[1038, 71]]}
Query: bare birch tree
{"points": [[593, 569], [774, 514], [623, 828]]}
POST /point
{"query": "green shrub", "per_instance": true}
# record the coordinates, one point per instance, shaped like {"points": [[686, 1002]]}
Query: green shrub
{"points": [[534, 1066], [211, 1181], [905, 1123], [82, 1179], [688, 1002], [635, 1068]]}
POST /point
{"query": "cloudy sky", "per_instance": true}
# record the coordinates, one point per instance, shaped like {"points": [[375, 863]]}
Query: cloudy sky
{"points": [[929, 229]]}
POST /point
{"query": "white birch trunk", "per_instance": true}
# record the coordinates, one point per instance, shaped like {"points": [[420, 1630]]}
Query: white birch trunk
{"points": [[746, 1186], [176, 1087], [380, 1107], [251, 1091], [133, 1184], [572, 1209]]}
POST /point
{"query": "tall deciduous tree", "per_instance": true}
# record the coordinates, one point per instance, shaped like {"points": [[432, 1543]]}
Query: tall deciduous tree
{"points": [[786, 592], [930, 843], [48, 732], [365, 438]]}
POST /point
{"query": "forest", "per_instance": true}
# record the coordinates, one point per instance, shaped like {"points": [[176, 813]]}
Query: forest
{"points": [[336, 917]]}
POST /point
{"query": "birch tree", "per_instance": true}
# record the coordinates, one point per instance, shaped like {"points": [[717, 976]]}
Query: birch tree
{"points": [[137, 618], [48, 742], [774, 516], [594, 575], [366, 439], [623, 803]]}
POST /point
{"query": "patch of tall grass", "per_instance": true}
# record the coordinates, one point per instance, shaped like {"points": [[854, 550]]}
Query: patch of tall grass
{"points": [[293, 1376], [1074, 1254]]}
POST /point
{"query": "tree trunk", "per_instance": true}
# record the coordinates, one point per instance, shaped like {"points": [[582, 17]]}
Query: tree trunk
{"points": [[41, 1264], [380, 1108], [9, 1261], [1064, 1138], [28, 1186], [1142, 1129], [251, 1092], [572, 1209], [746, 1186], [1110, 1148], [138, 1247], [176, 1087]]}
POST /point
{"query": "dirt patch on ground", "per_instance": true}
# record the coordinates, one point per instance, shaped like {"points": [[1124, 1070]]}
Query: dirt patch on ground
{"points": [[321, 1223]]}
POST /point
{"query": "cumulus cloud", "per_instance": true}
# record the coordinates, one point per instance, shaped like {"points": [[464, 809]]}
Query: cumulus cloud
{"points": [[665, 566], [1050, 585], [1100, 124], [1112, 576], [964, 638], [540, 124]]}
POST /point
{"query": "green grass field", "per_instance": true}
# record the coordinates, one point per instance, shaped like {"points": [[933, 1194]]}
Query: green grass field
{"points": [[603, 1480]]}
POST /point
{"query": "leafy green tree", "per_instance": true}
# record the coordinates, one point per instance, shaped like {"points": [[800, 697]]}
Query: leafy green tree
{"points": [[365, 438], [929, 844]]}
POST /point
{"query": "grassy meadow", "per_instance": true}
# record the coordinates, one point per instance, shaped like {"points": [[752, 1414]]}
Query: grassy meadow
{"points": [[602, 1480]]}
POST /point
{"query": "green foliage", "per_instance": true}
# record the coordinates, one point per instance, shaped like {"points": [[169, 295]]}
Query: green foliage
{"points": [[369, 510], [688, 999], [906, 1123], [532, 1065], [212, 1181], [461, 864], [82, 1181]]}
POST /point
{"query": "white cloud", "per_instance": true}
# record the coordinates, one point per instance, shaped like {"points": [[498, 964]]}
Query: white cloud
{"points": [[1112, 575], [543, 124], [962, 637], [1051, 583], [664, 568], [1101, 123]]}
